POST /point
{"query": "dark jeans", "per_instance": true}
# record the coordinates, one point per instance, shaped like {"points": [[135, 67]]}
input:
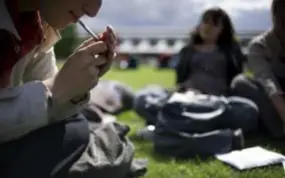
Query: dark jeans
{"points": [[268, 116], [46, 153]]}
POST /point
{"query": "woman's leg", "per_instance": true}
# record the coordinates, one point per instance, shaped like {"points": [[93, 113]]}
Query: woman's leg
{"points": [[46, 153]]}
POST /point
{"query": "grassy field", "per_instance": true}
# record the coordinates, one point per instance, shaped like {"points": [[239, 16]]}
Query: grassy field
{"points": [[160, 167]]}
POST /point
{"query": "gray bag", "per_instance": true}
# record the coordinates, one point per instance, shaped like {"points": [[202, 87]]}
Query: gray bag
{"points": [[109, 153], [112, 97]]}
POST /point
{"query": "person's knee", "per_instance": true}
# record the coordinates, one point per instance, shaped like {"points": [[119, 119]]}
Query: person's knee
{"points": [[77, 131], [240, 80], [249, 112], [242, 85], [72, 146]]}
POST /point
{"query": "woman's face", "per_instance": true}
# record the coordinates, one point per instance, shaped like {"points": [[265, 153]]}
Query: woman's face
{"points": [[58, 13], [210, 31]]}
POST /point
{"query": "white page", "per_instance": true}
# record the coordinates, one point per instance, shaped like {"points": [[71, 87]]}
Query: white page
{"points": [[251, 158]]}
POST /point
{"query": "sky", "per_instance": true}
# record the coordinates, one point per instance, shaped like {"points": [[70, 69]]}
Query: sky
{"points": [[245, 14]]}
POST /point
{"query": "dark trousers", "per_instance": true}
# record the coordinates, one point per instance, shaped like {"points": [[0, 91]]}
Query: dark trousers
{"points": [[268, 116], [46, 153]]}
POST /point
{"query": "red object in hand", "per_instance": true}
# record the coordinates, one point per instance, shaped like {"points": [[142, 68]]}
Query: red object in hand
{"points": [[103, 36]]}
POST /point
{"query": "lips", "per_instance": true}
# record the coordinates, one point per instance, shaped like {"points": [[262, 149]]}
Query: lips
{"points": [[74, 16]]}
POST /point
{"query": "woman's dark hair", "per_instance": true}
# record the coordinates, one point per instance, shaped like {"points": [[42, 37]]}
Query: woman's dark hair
{"points": [[216, 15], [274, 7], [277, 10]]}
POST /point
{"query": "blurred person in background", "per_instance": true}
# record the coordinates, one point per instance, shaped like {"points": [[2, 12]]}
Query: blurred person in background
{"points": [[41, 132], [212, 58], [111, 97], [206, 65], [265, 83]]}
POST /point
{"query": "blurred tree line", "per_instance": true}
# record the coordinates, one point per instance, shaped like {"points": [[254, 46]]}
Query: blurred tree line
{"points": [[68, 42]]}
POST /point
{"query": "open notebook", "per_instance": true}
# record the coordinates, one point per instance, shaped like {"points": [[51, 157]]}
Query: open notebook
{"points": [[251, 158]]}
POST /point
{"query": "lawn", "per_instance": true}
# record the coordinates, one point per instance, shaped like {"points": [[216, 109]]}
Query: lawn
{"points": [[160, 167]]}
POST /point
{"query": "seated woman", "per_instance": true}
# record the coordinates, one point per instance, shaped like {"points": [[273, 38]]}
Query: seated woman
{"points": [[212, 58], [207, 65], [266, 64]]}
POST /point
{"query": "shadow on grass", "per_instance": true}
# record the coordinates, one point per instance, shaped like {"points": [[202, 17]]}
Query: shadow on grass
{"points": [[146, 148], [266, 141]]}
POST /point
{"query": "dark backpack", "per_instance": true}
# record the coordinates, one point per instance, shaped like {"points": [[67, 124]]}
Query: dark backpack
{"points": [[202, 125]]}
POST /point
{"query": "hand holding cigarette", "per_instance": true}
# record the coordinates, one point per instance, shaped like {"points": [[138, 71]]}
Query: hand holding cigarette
{"points": [[103, 61]]}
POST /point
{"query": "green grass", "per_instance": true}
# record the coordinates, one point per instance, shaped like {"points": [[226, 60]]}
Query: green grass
{"points": [[161, 167]]}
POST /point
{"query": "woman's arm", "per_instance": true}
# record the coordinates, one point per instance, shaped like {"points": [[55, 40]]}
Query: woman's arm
{"points": [[29, 107], [182, 68], [259, 67], [240, 57]]}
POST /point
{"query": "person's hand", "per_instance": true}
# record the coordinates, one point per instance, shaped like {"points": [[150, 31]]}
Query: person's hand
{"points": [[79, 74], [105, 60], [109, 37]]}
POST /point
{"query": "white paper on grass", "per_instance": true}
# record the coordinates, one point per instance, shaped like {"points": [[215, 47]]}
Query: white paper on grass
{"points": [[251, 158]]}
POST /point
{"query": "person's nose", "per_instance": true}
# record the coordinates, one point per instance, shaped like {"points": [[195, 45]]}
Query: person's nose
{"points": [[91, 10], [207, 27]]}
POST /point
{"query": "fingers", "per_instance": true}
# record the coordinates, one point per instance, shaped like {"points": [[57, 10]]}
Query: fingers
{"points": [[111, 55], [100, 60], [111, 31], [100, 54], [109, 37], [95, 48], [86, 43], [111, 42], [93, 73], [112, 39], [105, 67]]}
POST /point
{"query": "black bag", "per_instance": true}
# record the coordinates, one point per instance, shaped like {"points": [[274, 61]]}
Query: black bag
{"points": [[201, 125]]}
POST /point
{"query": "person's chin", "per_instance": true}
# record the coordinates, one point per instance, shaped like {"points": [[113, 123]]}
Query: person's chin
{"points": [[62, 26], [204, 37]]}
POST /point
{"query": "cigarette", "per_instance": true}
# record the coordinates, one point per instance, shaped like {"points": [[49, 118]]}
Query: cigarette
{"points": [[85, 27]]}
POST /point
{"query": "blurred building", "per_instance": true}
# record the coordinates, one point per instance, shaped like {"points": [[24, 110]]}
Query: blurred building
{"points": [[161, 40]]}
